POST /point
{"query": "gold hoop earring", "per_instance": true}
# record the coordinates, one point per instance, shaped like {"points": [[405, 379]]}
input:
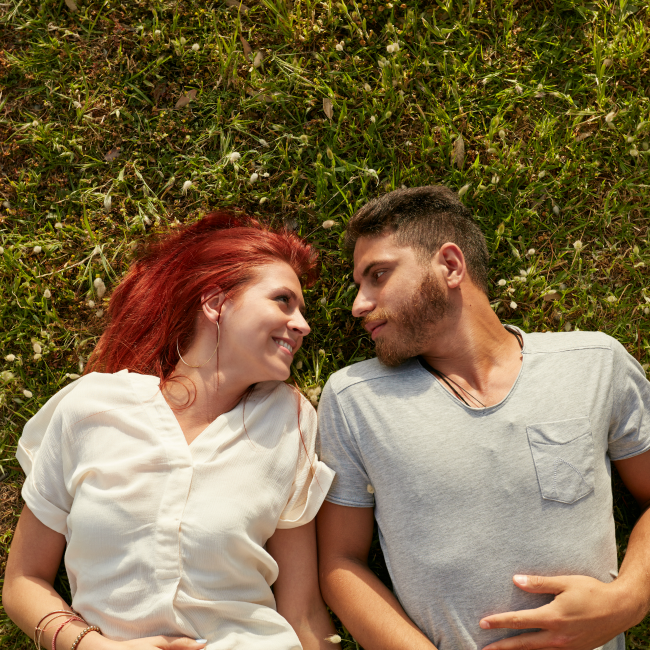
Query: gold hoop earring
{"points": [[212, 355]]}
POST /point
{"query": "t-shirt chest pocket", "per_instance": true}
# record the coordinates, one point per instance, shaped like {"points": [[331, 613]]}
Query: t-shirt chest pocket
{"points": [[563, 453]]}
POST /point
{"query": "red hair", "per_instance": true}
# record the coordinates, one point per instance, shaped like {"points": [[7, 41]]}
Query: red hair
{"points": [[155, 305]]}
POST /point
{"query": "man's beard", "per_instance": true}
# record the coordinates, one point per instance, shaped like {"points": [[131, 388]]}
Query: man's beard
{"points": [[413, 321]]}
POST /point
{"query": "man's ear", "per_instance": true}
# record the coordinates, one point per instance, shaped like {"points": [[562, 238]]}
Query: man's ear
{"points": [[211, 304], [451, 262]]}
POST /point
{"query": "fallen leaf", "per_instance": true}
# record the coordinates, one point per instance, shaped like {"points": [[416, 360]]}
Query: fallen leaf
{"points": [[583, 136], [259, 58], [186, 99], [71, 4], [159, 91], [327, 107], [113, 154], [248, 50], [239, 5], [551, 296], [458, 152]]}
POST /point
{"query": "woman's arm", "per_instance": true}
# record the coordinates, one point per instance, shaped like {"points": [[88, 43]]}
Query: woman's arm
{"points": [[28, 594], [296, 590]]}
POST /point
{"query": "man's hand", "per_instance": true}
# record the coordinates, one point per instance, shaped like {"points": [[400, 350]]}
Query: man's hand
{"points": [[585, 614]]}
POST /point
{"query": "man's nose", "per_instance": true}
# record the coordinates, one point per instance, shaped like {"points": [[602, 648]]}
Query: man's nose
{"points": [[363, 305]]}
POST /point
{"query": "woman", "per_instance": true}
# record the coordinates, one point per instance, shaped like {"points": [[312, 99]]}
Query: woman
{"points": [[182, 475]]}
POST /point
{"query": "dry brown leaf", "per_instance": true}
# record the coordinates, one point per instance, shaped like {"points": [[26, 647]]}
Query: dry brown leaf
{"points": [[256, 94], [113, 154], [240, 6], [583, 136], [159, 91], [186, 99], [258, 60], [248, 50], [71, 4], [327, 107], [458, 152], [551, 296]]}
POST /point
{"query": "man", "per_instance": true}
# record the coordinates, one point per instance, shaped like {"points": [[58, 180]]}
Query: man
{"points": [[483, 453]]}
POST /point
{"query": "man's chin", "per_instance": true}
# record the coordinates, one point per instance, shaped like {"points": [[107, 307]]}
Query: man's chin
{"points": [[391, 355]]}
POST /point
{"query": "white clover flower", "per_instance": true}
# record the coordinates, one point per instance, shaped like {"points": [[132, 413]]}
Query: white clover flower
{"points": [[556, 210], [388, 114], [323, 301], [513, 305], [100, 288], [58, 225], [157, 32], [577, 245], [183, 40], [373, 118], [502, 282], [47, 294], [609, 118], [530, 252], [77, 104], [28, 394], [392, 48], [196, 47], [99, 313], [304, 139], [367, 87], [187, 185], [502, 134], [2, 250], [518, 89], [234, 157], [495, 179], [646, 310], [630, 139], [330, 223], [370, 489], [264, 143], [382, 63], [108, 202], [37, 356], [254, 177], [37, 348], [523, 273], [611, 298], [340, 46], [263, 200], [37, 249], [541, 174], [634, 152], [299, 365], [265, 174], [10, 357]]}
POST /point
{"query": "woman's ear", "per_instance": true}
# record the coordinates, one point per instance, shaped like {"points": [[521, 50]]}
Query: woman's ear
{"points": [[211, 305], [452, 262]]}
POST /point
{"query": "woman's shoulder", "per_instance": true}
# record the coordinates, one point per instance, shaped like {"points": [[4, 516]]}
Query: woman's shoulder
{"points": [[281, 395]]}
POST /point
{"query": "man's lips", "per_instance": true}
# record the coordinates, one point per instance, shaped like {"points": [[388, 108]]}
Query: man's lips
{"points": [[374, 327]]}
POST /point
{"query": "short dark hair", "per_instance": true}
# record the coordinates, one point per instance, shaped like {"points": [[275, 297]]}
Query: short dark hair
{"points": [[424, 218]]}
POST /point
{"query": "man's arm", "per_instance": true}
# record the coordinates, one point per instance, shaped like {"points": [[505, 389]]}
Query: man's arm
{"points": [[586, 613], [367, 608]]}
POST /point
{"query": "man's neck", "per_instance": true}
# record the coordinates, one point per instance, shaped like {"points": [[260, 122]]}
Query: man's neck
{"points": [[473, 349]]}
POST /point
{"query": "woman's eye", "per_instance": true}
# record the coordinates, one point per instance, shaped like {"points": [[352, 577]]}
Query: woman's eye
{"points": [[284, 299]]}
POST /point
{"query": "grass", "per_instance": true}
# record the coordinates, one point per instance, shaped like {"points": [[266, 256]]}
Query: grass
{"points": [[550, 99]]}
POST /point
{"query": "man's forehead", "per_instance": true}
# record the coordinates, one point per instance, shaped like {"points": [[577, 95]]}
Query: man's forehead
{"points": [[379, 248]]}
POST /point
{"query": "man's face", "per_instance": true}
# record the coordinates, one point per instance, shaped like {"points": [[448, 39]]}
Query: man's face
{"points": [[400, 299]]}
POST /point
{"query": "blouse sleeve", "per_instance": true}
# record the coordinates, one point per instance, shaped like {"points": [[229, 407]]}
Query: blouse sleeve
{"points": [[41, 455], [313, 478]]}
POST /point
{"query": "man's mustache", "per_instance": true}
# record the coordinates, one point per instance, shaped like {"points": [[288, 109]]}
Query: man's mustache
{"points": [[373, 316]]}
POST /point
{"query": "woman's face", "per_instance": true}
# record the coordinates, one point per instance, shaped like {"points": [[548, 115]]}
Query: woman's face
{"points": [[263, 326]]}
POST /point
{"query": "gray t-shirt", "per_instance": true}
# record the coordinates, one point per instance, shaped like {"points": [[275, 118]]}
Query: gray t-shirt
{"points": [[466, 498]]}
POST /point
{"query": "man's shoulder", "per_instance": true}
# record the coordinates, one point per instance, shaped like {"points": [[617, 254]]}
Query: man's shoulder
{"points": [[366, 371], [558, 342]]}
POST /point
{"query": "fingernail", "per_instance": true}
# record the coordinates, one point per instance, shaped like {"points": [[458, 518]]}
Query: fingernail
{"points": [[485, 625], [521, 580], [201, 640]]}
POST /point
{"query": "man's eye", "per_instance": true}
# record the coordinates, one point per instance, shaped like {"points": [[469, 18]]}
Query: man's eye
{"points": [[378, 274]]}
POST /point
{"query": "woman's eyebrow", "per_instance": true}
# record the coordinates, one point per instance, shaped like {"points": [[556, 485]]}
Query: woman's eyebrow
{"points": [[293, 296]]}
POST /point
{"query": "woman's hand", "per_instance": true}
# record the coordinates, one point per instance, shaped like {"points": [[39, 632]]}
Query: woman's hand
{"points": [[97, 642]]}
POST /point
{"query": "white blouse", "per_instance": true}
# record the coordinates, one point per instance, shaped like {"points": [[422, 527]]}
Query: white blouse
{"points": [[165, 537]]}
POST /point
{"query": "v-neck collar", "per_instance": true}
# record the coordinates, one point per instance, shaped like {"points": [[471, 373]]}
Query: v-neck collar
{"points": [[422, 365]]}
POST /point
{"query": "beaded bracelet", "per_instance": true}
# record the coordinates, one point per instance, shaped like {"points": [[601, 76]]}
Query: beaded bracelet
{"points": [[82, 634], [56, 634], [38, 631]]}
